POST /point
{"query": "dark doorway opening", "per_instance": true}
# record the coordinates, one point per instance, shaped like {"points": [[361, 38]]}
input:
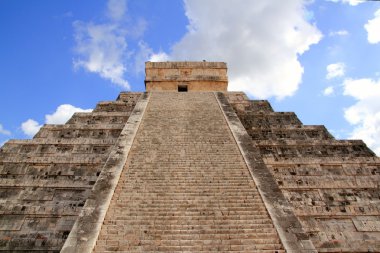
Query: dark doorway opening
{"points": [[182, 88]]}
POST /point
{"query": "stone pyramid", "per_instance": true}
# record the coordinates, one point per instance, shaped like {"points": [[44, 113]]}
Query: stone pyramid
{"points": [[188, 167]]}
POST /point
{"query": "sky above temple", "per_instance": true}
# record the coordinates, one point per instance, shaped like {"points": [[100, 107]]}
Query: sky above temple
{"points": [[320, 59]]}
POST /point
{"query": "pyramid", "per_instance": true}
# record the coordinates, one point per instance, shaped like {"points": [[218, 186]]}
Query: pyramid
{"points": [[188, 166]]}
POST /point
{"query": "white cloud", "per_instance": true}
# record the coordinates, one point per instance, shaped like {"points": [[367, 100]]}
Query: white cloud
{"points": [[116, 9], [63, 114], [260, 40], [373, 28], [365, 113], [350, 2], [103, 48], [60, 116], [335, 70], [142, 56], [145, 53], [4, 131], [328, 91], [160, 56], [30, 127], [339, 33]]}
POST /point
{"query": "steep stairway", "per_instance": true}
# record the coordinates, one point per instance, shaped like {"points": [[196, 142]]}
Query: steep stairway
{"points": [[185, 186], [45, 181], [332, 185]]}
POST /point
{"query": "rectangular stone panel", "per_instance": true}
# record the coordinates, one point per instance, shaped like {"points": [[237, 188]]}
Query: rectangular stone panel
{"points": [[367, 223], [11, 222]]}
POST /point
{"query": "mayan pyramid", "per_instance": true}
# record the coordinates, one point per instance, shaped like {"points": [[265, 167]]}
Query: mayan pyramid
{"points": [[188, 167]]}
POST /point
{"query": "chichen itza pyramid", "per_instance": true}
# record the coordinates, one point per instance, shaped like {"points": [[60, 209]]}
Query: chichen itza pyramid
{"points": [[188, 167]]}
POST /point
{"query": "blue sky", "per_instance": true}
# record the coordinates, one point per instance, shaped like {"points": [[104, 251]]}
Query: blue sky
{"points": [[318, 58]]}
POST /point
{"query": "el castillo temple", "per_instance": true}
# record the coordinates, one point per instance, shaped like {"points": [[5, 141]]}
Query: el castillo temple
{"points": [[188, 166]]}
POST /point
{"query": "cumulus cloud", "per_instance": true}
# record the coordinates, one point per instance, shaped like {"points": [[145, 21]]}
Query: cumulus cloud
{"points": [[103, 48], [30, 127], [365, 113], [4, 131], [350, 2], [335, 70], [373, 28], [338, 33], [63, 113], [60, 116], [158, 57], [328, 91], [260, 40]]}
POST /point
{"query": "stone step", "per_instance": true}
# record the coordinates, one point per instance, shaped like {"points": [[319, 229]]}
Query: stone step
{"points": [[94, 118], [228, 206], [224, 227], [359, 169], [55, 149], [43, 159], [46, 181], [211, 240], [130, 97], [310, 161], [52, 169], [230, 246], [85, 127], [187, 219], [306, 132], [241, 103], [217, 249], [39, 209], [269, 119], [310, 148], [27, 195], [186, 186], [114, 106], [221, 185], [40, 141], [99, 131]]}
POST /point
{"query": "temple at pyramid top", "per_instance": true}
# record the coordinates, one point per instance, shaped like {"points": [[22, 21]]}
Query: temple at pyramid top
{"points": [[186, 76]]}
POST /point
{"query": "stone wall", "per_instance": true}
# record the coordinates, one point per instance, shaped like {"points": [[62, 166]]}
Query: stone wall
{"points": [[197, 76], [44, 182], [332, 185], [186, 169]]}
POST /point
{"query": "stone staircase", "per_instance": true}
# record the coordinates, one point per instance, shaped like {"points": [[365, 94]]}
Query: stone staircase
{"points": [[185, 186], [45, 181], [332, 185]]}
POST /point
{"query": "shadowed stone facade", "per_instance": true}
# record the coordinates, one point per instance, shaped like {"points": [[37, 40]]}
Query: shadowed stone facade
{"points": [[198, 170]]}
